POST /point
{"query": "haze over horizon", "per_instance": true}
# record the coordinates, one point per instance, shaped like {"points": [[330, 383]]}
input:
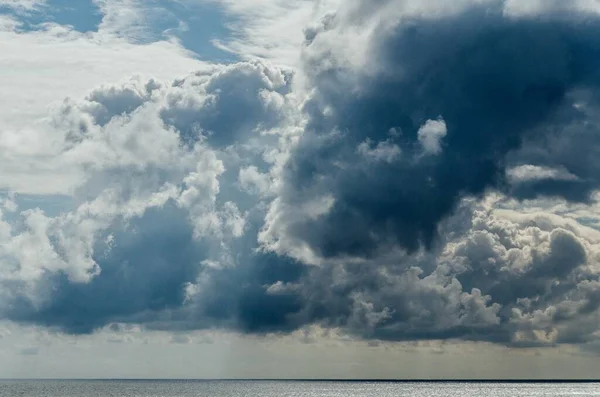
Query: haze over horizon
{"points": [[273, 189]]}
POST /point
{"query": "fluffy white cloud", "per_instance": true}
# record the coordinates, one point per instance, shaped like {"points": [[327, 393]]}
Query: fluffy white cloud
{"points": [[431, 134], [526, 173], [383, 151]]}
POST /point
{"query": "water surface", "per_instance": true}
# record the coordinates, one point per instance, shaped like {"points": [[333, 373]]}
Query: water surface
{"points": [[118, 388]]}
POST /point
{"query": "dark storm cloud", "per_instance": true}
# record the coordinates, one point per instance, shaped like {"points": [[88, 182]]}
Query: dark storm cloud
{"points": [[240, 297], [245, 297], [506, 91], [493, 80], [571, 142]]}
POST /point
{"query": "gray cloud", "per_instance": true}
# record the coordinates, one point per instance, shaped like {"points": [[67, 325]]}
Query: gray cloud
{"points": [[525, 282], [30, 351]]}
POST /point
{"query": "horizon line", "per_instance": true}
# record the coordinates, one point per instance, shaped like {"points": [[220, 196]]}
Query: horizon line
{"points": [[380, 380]]}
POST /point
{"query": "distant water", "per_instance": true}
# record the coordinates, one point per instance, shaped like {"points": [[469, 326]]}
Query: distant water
{"points": [[287, 389]]}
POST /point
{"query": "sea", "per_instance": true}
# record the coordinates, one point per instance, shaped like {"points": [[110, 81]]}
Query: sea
{"points": [[168, 388]]}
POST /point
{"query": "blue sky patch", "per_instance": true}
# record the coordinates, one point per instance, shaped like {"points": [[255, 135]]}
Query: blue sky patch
{"points": [[81, 15], [195, 26], [52, 206]]}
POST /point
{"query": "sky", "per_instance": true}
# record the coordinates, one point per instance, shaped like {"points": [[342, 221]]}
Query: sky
{"points": [[310, 189]]}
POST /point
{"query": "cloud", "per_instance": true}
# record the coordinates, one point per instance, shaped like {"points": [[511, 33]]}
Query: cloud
{"points": [[498, 83], [536, 7], [252, 180], [472, 287], [39, 71], [30, 351], [430, 135], [22, 5], [403, 184], [180, 339], [142, 177], [525, 173], [384, 151], [237, 99], [269, 30]]}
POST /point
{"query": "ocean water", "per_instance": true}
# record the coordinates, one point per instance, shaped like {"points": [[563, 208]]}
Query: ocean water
{"points": [[110, 388]]}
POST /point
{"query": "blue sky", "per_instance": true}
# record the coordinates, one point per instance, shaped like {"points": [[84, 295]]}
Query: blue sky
{"points": [[316, 188]]}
